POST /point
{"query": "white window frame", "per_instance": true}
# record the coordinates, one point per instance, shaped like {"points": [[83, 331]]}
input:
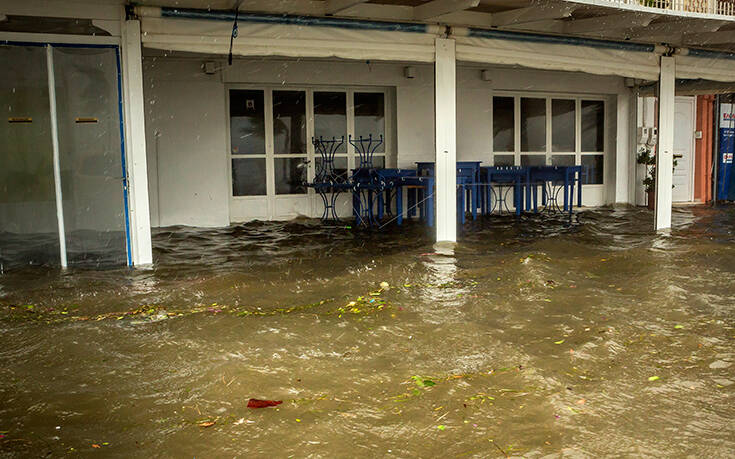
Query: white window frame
{"points": [[389, 153], [549, 96]]}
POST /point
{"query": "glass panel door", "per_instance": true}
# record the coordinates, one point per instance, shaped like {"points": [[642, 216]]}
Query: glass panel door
{"points": [[28, 225], [289, 142], [90, 155]]}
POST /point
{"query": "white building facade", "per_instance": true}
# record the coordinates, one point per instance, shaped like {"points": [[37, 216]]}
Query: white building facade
{"points": [[199, 141]]}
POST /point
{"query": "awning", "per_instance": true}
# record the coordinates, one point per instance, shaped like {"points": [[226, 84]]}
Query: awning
{"points": [[707, 66], [257, 38], [552, 53]]}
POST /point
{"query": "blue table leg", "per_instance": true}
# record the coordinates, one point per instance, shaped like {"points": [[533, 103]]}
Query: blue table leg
{"points": [[566, 192], [517, 197], [421, 203], [370, 215], [380, 206], [429, 202], [579, 190], [399, 205], [356, 206], [473, 189], [412, 202], [534, 190]]}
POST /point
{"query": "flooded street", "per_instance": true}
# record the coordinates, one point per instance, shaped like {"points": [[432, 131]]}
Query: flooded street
{"points": [[532, 337]]}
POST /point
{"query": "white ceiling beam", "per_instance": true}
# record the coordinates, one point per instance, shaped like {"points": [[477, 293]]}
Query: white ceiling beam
{"points": [[603, 23], [535, 13], [337, 6], [440, 7], [673, 29], [722, 37]]}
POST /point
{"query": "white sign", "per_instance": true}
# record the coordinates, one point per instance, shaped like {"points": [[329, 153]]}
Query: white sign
{"points": [[727, 158], [727, 115]]}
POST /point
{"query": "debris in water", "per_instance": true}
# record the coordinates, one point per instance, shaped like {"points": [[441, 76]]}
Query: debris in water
{"points": [[207, 424], [421, 382], [441, 427], [678, 326], [255, 403], [561, 341], [653, 378], [384, 285]]}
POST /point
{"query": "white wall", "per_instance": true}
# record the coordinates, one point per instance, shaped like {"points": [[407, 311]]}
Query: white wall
{"points": [[187, 123]]}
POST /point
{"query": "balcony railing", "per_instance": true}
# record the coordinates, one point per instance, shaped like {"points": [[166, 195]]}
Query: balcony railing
{"points": [[714, 7]]}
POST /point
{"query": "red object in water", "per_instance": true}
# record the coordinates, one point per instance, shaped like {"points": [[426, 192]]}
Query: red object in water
{"points": [[255, 403]]}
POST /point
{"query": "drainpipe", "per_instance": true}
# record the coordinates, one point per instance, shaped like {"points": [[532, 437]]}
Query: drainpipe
{"points": [[229, 16], [716, 147]]}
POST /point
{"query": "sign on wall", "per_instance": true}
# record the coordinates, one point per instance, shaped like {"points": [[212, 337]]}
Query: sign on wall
{"points": [[726, 172]]}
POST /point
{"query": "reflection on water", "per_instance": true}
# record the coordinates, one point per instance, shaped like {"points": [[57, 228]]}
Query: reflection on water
{"points": [[529, 337]]}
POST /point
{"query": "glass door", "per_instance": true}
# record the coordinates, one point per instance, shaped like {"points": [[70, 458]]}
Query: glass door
{"points": [[29, 232], [70, 208], [271, 150]]}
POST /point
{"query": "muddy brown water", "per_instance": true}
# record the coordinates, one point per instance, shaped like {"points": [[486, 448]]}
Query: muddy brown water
{"points": [[534, 337]]}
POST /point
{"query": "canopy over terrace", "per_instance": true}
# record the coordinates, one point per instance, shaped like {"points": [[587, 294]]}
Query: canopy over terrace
{"points": [[588, 37]]}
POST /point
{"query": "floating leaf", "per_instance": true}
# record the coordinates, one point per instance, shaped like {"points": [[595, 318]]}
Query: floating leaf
{"points": [[95, 445], [561, 341], [421, 382], [207, 424], [441, 427], [653, 378], [678, 326], [255, 403]]}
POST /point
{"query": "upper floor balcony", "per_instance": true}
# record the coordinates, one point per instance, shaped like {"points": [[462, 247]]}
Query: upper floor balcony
{"points": [[698, 7]]}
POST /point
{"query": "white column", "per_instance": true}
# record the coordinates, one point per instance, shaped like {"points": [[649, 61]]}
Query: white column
{"points": [[665, 150], [133, 102], [445, 108], [56, 157], [622, 148]]}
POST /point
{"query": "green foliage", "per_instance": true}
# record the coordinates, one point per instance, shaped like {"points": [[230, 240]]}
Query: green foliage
{"points": [[647, 158]]}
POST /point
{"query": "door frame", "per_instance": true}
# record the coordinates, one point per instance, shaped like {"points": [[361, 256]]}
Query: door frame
{"points": [[692, 100], [49, 42]]}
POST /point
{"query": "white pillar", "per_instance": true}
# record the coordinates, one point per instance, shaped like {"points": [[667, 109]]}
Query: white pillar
{"points": [[622, 148], [56, 157], [445, 108], [665, 150], [137, 168]]}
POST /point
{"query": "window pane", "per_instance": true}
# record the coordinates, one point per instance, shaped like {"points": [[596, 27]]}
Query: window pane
{"points": [[247, 122], [370, 116], [339, 172], [562, 125], [593, 125], [503, 127], [330, 116], [562, 160], [592, 169], [533, 160], [505, 160], [290, 175], [248, 177], [90, 156], [289, 122], [379, 162], [28, 226], [533, 124]]}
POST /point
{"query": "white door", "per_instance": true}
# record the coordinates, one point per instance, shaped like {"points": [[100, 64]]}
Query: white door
{"points": [[684, 150]]}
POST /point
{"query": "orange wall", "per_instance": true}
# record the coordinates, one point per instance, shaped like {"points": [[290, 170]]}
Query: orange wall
{"points": [[703, 149]]}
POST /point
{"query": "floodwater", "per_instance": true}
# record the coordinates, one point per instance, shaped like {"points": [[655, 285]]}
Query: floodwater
{"points": [[534, 337]]}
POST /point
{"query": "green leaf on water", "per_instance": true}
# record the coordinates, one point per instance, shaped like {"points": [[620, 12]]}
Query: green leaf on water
{"points": [[653, 378], [441, 427], [678, 326], [421, 382], [561, 341]]}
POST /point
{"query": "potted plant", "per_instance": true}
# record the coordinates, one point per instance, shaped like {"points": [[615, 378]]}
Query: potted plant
{"points": [[648, 159]]}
